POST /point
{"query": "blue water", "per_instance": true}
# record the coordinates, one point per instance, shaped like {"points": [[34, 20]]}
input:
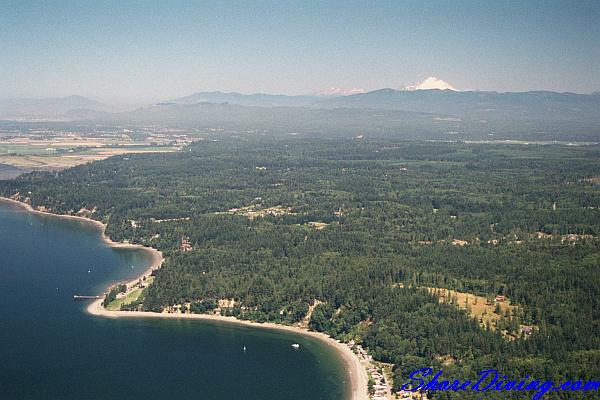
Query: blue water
{"points": [[51, 349]]}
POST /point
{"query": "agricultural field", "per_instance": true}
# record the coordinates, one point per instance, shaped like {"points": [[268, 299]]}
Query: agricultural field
{"points": [[60, 150]]}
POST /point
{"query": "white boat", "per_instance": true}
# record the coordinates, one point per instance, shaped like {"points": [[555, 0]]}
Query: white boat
{"points": [[296, 346]]}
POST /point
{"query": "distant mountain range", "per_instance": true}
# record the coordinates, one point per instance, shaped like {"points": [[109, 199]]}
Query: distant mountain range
{"points": [[431, 113], [48, 108], [468, 104], [257, 99], [471, 104], [281, 100]]}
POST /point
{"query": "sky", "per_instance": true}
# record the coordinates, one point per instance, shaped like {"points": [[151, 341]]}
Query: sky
{"points": [[157, 50]]}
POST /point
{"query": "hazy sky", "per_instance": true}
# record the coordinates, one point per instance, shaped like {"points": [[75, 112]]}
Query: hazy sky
{"points": [[160, 50]]}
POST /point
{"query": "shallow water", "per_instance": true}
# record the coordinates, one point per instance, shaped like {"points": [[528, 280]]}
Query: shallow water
{"points": [[51, 349]]}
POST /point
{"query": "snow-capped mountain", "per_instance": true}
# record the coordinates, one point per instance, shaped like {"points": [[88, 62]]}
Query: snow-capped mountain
{"points": [[431, 83]]}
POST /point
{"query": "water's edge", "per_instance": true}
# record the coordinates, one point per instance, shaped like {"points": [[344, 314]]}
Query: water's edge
{"points": [[355, 372]]}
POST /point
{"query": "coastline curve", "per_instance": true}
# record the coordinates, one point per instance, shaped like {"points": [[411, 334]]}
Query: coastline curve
{"points": [[355, 371]]}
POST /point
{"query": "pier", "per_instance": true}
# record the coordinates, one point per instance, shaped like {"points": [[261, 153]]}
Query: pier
{"points": [[80, 297]]}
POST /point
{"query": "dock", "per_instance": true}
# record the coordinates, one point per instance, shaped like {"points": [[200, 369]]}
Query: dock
{"points": [[80, 297]]}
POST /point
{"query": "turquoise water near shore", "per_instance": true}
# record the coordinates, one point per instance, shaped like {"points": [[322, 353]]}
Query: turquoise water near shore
{"points": [[51, 349]]}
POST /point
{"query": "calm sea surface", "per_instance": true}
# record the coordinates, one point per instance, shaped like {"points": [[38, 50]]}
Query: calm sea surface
{"points": [[51, 349]]}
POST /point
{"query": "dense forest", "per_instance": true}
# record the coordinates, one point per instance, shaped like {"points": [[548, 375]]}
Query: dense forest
{"points": [[360, 229]]}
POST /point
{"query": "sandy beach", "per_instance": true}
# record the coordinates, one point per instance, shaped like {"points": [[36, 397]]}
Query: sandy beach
{"points": [[356, 373]]}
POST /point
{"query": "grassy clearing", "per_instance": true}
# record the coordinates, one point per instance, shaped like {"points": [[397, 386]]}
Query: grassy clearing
{"points": [[127, 299], [488, 312], [132, 294], [318, 225], [478, 307]]}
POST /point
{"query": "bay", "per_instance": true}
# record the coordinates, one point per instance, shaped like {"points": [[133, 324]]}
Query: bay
{"points": [[50, 348]]}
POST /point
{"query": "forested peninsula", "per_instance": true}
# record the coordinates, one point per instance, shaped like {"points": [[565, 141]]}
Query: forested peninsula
{"points": [[377, 242]]}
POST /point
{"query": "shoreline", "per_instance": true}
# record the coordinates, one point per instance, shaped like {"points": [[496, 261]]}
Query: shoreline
{"points": [[99, 225], [354, 369]]}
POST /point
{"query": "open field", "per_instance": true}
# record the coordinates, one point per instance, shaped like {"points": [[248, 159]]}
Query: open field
{"points": [[56, 151], [133, 293], [487, 311], [478, 307], [52, 162]]}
